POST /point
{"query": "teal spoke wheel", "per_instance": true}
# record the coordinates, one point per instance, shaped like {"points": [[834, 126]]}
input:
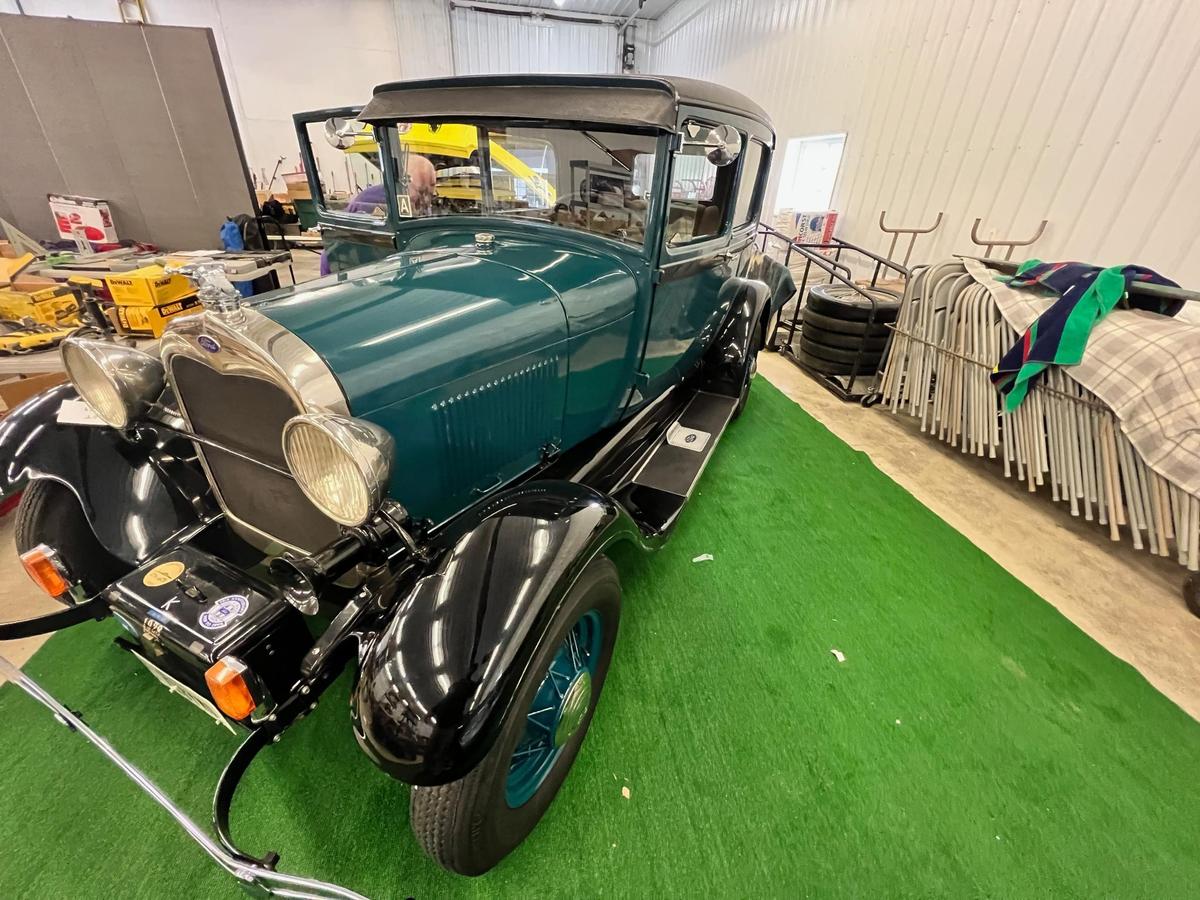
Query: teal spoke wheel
{"points": [[558, 709], [470, 824]]}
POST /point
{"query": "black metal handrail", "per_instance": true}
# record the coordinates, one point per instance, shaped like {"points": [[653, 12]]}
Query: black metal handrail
{"points": [[835, 269]]}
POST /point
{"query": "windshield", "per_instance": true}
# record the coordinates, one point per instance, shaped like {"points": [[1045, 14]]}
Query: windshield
{"points": [[595, 181]]}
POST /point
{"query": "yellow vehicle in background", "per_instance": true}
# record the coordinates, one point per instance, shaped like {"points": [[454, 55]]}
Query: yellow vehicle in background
{"points": [[454, 151]]}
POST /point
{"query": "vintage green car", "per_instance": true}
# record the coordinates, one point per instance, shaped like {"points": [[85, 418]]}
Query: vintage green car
{"points": [[416, 464]]}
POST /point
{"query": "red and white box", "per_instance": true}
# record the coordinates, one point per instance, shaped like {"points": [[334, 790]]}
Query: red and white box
{"points": [[814, 227], [90, 213]]}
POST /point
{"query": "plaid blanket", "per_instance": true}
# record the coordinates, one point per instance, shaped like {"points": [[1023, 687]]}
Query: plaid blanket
{"points": [[1145, 367]]}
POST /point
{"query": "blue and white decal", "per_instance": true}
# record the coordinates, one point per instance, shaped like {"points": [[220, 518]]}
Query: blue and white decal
{"points": [[208, 343], [224, 611]]}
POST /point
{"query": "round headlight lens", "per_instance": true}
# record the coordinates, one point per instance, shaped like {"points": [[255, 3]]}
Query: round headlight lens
{"points": [[342, 465], [118, 383]]}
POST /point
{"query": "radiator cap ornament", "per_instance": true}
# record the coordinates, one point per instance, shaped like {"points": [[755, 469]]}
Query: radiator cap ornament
{"points": [[216, 292]]}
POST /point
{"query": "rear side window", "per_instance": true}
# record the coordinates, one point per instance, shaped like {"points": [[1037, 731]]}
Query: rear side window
{"points": [[752, 162], [701, 192]]}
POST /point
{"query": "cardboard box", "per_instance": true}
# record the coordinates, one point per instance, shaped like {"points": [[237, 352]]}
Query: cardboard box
{"points": [[297, 187], [807, 227], [153, 319], [90, 213], [147, 286], [17, 391], [49, 306]]}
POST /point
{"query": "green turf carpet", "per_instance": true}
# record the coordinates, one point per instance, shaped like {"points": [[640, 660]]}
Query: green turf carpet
{"points": [[972, 743]]}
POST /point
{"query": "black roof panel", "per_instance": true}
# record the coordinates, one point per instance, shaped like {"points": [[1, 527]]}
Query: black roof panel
{"points": [[643, 101]]}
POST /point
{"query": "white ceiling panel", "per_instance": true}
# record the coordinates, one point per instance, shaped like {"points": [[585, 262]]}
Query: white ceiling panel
{"points": [[651, 9]]}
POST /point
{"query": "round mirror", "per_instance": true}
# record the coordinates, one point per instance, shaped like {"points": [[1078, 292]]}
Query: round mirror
{"points": [[341, 133], [725, 145]]}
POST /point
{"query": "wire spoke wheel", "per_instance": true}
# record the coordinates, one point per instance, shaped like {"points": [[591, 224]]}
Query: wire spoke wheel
{"points": [[470, 824], [558, 709]]}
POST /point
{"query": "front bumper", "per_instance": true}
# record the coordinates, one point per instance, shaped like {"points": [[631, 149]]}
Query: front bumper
{"points": [[256, 876]]}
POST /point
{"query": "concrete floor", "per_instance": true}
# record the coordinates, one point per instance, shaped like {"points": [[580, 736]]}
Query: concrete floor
{"points": [[1126, 600]]}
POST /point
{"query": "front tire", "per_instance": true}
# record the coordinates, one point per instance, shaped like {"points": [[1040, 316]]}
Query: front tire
{"points": [[471, 824], [50, 514]]}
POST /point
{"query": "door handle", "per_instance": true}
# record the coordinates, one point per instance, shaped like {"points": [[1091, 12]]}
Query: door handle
{"points": [[480, 491]]}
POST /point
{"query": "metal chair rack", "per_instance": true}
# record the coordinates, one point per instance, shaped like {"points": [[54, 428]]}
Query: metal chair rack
{"points": [[911, 232], [990, 244], [837, 271]]}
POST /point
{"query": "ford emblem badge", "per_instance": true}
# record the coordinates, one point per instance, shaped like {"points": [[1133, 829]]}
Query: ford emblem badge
{"points": [[207, 343]]}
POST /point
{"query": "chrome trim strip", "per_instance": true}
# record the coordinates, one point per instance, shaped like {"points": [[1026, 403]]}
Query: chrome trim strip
{"points": [[254, 878], [258, 347]]}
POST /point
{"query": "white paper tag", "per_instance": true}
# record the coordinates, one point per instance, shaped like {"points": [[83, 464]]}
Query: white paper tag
{"points": [[77, 412], [687, 438]]}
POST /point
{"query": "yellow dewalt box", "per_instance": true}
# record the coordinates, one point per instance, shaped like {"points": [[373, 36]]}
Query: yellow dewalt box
{"points": [[49, 306], [147, 286], [153, 319]]}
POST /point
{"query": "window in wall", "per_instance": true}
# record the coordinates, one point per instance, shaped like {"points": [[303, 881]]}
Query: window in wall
{"points": [[752, 158], [810, 169], [700, 191]]}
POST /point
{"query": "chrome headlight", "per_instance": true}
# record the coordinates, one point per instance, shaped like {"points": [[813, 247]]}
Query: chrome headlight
{"points": [[120, 384], [342, 465]]}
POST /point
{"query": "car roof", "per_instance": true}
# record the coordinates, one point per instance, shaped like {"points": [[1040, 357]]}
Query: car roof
{"points": [[638, 101]]}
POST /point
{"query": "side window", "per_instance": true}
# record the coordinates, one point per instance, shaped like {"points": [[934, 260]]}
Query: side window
{"points": [[752, 160], [701, 190], [347, 157]]}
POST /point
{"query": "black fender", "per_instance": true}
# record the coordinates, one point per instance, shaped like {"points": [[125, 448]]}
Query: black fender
{"points": [[135, 489], [435, 685], [742, 333]]}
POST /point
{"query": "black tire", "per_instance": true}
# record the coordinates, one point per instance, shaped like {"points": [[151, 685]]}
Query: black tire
{"points": [[50, 514], [825, 367], [813, 319], [745, 393], [839, 355], [1191, 593], [467, 826], [844, 341], [840, 302]]}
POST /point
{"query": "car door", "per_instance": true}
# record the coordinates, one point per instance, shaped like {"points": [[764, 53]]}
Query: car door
{"points": [[349, 200], [695, 257]]}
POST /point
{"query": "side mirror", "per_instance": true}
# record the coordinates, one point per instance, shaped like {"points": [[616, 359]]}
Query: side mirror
{"points": [[725, 142], [342, 133]]}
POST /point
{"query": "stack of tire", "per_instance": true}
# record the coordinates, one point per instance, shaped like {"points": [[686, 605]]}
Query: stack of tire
{"points": [[837, 326]]}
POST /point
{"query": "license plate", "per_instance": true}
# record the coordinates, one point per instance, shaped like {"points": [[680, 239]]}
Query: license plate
{"points": [[175, 686]]}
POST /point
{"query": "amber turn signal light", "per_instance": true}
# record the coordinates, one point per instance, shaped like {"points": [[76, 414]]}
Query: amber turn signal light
{"points": [[227, 681], [45, 572]]}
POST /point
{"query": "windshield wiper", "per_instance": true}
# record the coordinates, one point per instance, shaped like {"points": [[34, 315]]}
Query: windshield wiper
{"points": [[613, 156]]}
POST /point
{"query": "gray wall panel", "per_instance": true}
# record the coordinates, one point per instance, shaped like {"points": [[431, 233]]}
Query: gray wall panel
{"points": [[133, 114], [127, 92], [28, 170], [192, 86], [52, 64]]}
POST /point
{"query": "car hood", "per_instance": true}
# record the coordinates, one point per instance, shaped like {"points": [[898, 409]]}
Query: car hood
{"points": [[406, 324]]}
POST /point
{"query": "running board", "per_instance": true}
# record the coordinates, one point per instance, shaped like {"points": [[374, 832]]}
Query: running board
{"points": [[660, 488]]}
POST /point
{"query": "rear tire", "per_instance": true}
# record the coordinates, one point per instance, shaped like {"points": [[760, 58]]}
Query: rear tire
{"points": [[745, 392], [50, 514], [468, 826]]}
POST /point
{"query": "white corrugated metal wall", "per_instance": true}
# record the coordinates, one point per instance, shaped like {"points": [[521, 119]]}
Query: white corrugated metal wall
{"points": [[489, 42], [1085, 113]]}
